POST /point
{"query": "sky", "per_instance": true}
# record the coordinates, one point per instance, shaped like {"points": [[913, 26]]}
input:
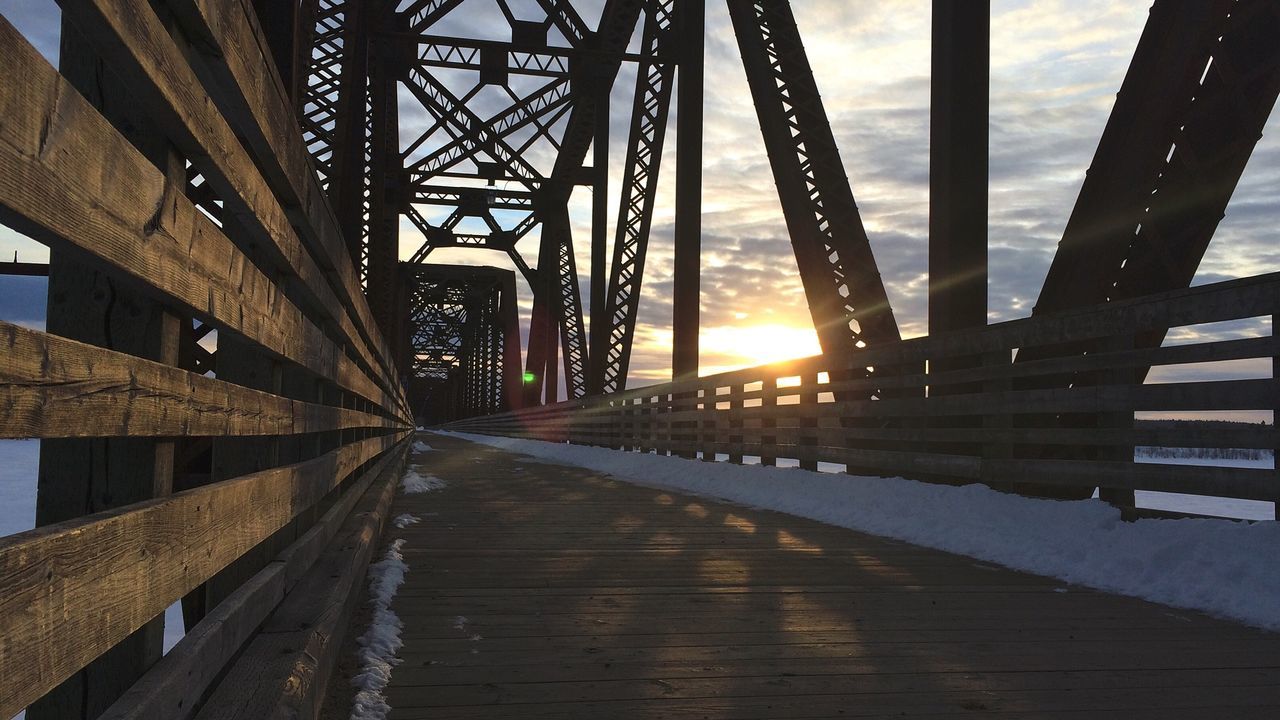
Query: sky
{"points": [[1055, 68]]}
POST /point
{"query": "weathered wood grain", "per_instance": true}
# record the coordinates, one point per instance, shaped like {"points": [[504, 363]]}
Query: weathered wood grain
{"points": [[284, 671], [129, 34], [176, 685], [237, 67], [69, 179], [53, 387], [76, 588]]}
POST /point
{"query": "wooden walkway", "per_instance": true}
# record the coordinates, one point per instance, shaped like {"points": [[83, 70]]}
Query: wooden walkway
{"points": [[542, 591]]}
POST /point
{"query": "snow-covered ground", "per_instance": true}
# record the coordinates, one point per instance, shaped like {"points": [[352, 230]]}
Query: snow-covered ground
{"points": [[1224, 567]]}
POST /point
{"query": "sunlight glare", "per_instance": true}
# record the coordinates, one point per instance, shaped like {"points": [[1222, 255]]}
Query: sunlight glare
{"points": [[729, 347]]}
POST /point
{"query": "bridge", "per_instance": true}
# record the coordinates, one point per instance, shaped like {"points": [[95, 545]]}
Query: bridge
{"points": [[239, 366]]}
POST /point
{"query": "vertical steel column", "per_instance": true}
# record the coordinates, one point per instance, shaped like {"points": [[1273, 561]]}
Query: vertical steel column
{"points": [[542, 321], [347, 183], [599, 336], [690, 24], [385, 185], [645, 140], [508, 317], [958, 122]]}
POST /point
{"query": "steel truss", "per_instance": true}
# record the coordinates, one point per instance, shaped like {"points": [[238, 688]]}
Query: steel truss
{"points": [[639, 190], [846, 295], [1202, 83], [463, 354]]}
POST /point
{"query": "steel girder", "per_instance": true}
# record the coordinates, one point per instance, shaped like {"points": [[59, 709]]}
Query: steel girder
{"points": [[318, 103], [639, 191], [464, 341], [846, 295], [381, 250], [422, 14], [566, 19], [359, 55], [617, 24], [1202, 83]]}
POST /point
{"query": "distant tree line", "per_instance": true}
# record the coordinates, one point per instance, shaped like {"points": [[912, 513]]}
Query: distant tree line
{"points": [[1200, 453]]}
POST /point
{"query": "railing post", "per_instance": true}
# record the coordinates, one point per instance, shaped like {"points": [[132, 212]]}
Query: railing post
{"points": [[994, 449], [735, 423], [1275, 415], [1118, 420], [707, 430], [82, 476], [768, 406], [808, 411]]}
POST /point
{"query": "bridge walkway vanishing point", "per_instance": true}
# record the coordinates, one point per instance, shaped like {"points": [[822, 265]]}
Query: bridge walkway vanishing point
{"points": [[543, 591]]}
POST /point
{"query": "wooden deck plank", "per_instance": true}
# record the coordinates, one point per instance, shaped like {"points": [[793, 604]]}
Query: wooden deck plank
{"points": [[542, 591]]}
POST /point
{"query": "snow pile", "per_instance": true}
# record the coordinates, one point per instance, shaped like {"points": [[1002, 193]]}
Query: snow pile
{"points": [[413, 483], [1224, 567], [421, 447], [380, 643], [405, 520]]}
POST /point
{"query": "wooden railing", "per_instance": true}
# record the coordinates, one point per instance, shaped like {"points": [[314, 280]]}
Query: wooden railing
{"points": [[1062, 424], [301, 409]]}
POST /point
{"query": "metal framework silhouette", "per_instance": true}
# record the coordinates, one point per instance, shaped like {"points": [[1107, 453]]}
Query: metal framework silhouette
{"points": [[509, 119]]}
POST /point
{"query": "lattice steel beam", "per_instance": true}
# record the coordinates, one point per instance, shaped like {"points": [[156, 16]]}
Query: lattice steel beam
{"points": [[566, 20], [422, 14], [846, 296], [461, 122], [546, 102], [639, 189]]}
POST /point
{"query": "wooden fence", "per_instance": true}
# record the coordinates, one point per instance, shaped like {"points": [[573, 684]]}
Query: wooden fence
{"points": [[964, 407], [163, 166]]}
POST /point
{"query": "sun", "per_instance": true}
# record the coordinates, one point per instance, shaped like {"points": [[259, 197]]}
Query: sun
{"points": [[729, 347]]}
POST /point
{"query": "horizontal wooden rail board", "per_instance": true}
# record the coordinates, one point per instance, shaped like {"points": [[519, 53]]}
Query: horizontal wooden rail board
{"points": [[284, 671], [52, 387], [228, 36], [118, 213], [997, 421], [175, 686], [76, 588], [129, 34]]}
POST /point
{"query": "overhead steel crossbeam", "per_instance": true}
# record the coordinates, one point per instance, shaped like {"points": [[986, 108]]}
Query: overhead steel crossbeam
{"points": [[639, 191], [361, 53], [543, 107], [460, 122], [567, 20], [1202, 83], [489, 55], [846, 295], [422, 14]]}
